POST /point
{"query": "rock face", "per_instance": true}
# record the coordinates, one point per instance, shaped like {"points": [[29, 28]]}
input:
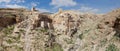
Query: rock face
{"points": [[10, 16], [5, 21], [14, 15], [117, 26], [117, 22], [62, 31]]}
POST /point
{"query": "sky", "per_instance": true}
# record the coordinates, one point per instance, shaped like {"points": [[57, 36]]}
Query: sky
{"points": [[95, 6]]}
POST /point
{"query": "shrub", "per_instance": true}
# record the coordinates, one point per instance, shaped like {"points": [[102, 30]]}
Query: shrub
{"points": [[81, 36], [9, 41], [85, 32], [55, 47], [112, 47], [117, 35], [103, 42], [8, 30], [69, 41]]}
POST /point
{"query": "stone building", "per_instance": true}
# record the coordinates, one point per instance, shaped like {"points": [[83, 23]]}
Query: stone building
{"points": [[44, 21], [66, 22]]}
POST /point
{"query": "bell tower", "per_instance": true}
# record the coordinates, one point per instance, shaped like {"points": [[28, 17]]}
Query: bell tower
{"points": [[33, 8]]}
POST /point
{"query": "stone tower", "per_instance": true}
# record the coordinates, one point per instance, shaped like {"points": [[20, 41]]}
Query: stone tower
{"points": [[33, 9]]}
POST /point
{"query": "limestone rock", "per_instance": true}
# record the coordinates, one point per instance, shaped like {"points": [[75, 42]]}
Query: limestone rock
{"points": [[64, 31]]}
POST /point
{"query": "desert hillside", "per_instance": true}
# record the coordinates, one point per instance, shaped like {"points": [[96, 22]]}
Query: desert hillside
{"points": [[67, 30]]}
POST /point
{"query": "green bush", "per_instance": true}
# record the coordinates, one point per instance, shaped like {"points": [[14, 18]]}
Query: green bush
{"points": [[9, 41], [19, 48], [55, 47], [117, 35], [81, 36], [112, 47], [69, 41], [103, 42], [42, 30], [8, 30]]}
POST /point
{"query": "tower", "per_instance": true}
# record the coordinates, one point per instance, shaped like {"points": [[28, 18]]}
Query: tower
{"points": [[33, 8]]}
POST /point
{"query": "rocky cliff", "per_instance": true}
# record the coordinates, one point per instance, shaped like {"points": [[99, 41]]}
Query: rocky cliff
{"points": [[63, 31]]}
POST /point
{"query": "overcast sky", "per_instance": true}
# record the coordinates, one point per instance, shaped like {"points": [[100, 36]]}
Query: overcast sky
{"points": [[96, 6]]}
